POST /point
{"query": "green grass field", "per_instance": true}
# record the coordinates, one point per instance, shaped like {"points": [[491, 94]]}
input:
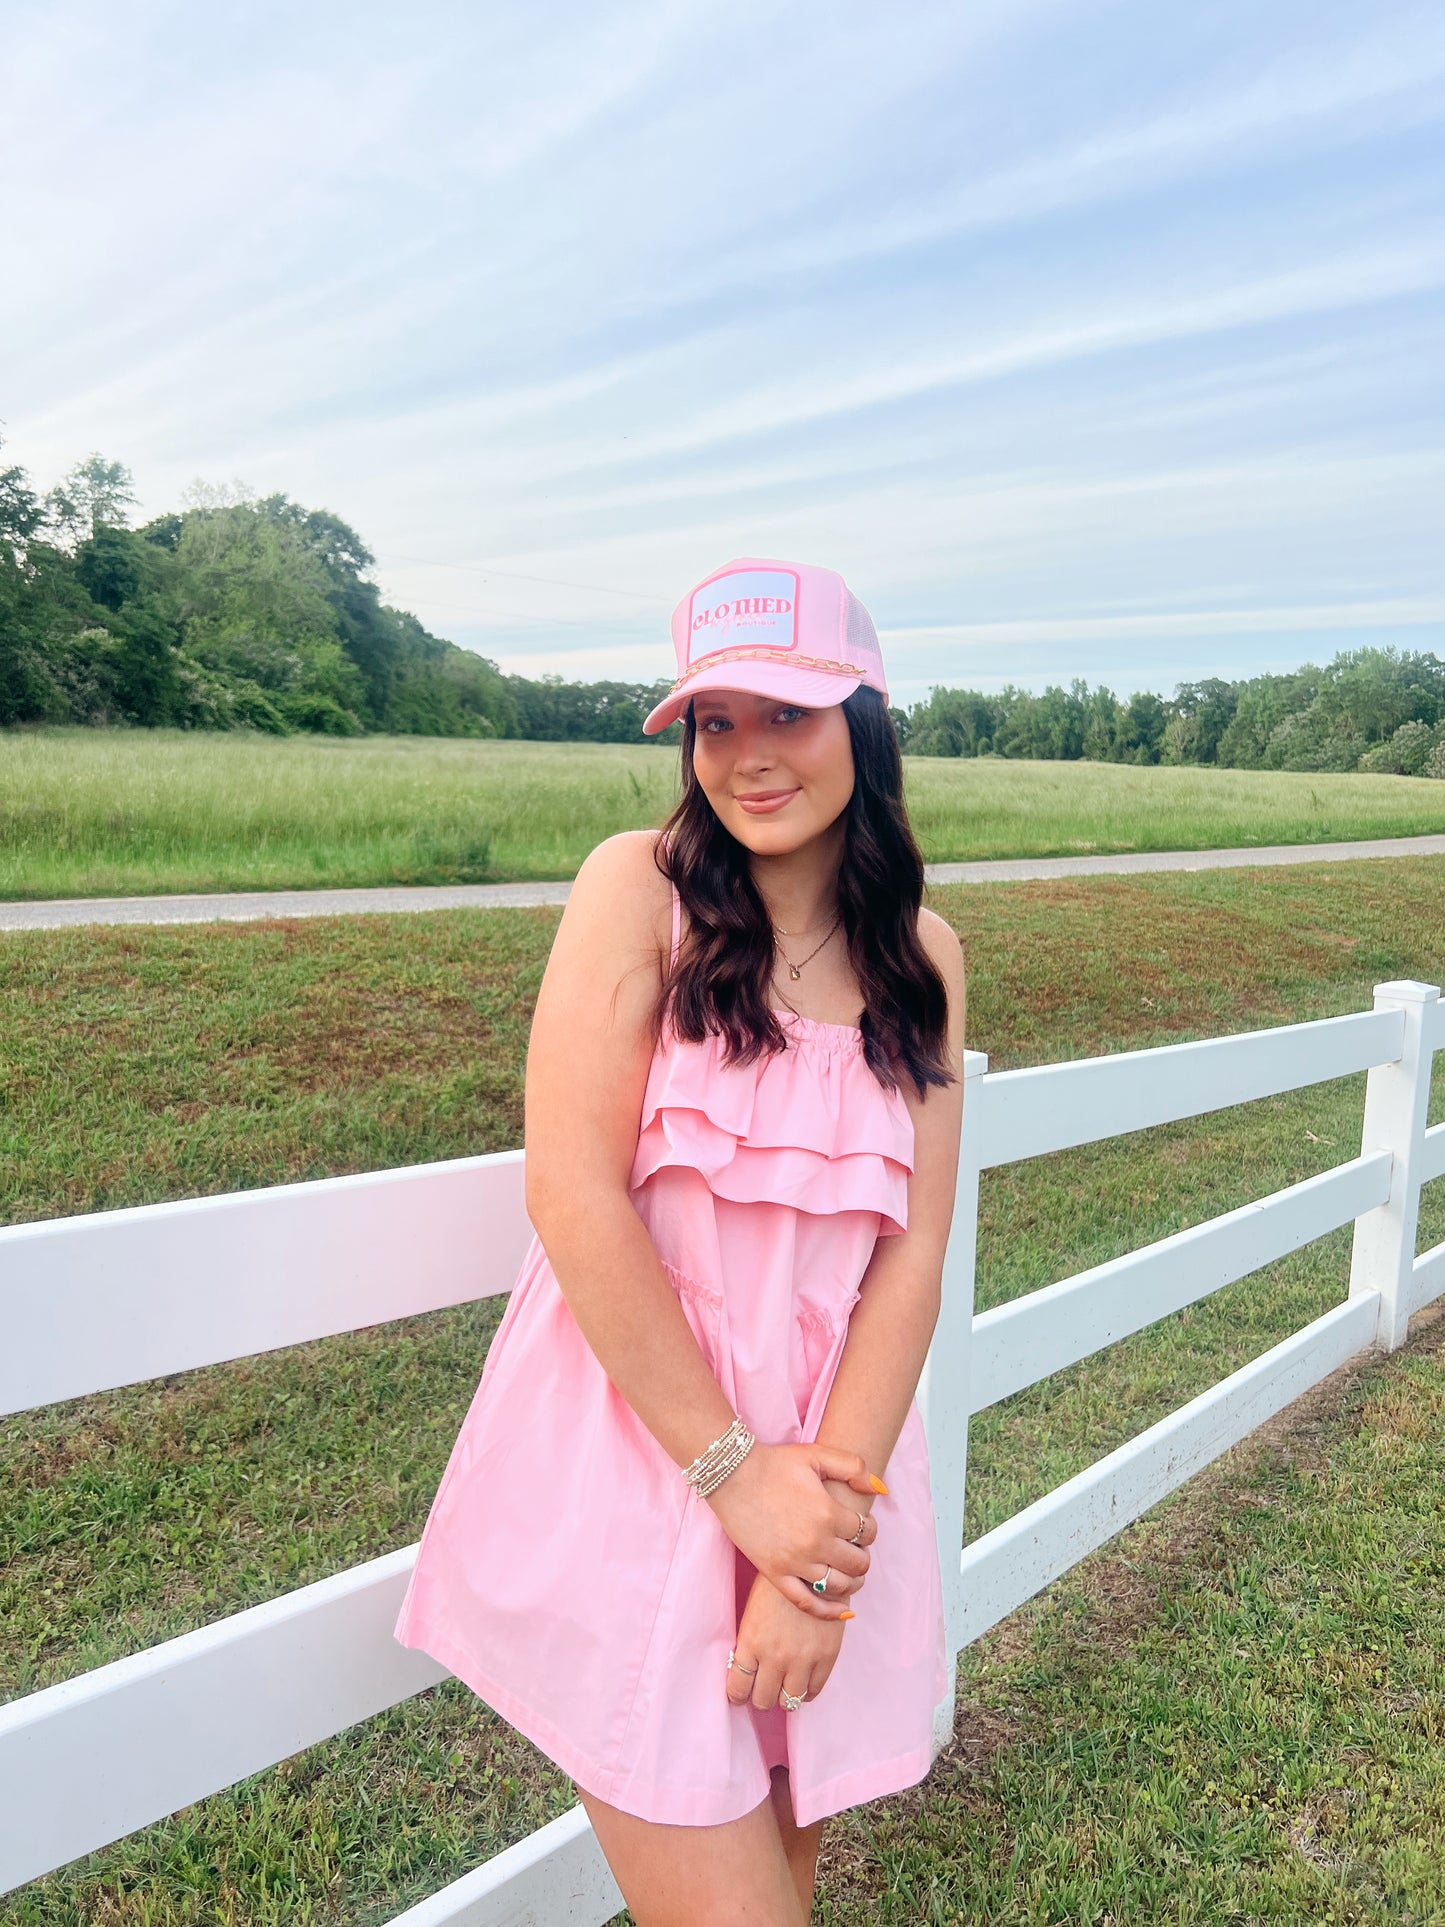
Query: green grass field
{"points": [[1236, 1713], [136, 812]]}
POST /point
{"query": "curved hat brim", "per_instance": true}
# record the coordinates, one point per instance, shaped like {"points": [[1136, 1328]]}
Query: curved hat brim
{"points": [[809, 688]]}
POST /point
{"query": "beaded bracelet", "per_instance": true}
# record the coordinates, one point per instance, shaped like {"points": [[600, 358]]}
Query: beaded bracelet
{"points": [[724, 1455]]}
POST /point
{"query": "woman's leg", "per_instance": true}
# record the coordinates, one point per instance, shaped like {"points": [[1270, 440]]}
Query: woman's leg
{"points": [[735, 1875], [800, 1844]]}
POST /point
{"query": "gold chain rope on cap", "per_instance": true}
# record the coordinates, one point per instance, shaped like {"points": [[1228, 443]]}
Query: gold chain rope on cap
{"points": [[758, 653]]}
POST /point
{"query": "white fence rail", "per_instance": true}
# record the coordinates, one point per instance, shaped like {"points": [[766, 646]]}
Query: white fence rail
{"points": [[112, 1298]]}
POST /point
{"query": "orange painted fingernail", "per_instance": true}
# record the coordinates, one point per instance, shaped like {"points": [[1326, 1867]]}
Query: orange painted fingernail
{"points": [[847, 1615], [876, 1483]]}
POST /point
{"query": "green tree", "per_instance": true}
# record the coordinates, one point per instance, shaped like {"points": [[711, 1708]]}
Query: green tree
{"points": [[1200, 714], [255, 607], [1049, 727], [1379, 689], [145, 667], [20, 511], [1264, 702], [114, 565], [953, 722], [1101, 727], [1141, 728], [95, 494]]}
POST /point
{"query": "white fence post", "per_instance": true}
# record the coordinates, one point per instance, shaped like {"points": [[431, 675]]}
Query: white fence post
{"points": [[943, 1390], [1397, 1099]]}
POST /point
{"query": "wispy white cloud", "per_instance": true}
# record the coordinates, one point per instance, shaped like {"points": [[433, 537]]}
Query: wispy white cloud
{"points": [[561, 85], [1320, 286], [1310, 97]]}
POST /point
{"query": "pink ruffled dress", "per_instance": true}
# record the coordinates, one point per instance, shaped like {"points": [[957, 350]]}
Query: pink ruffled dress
{"points": [[570, 1575]]}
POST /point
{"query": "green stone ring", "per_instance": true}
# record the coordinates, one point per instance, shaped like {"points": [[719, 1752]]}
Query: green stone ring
{"points": [[821, 1585]]}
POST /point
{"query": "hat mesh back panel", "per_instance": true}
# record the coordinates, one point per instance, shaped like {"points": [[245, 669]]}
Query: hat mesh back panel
{"points": [[863, 637]]}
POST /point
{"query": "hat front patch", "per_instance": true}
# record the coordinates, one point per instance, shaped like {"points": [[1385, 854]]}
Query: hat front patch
{"points": [[745, 605]]}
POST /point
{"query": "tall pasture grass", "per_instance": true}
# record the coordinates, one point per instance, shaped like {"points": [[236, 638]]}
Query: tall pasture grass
{"points": [[991, 808], [89, 813], [124, 812]]}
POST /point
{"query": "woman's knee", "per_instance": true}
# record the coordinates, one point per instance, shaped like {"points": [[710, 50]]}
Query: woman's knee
{"points": [[735, 1875]]}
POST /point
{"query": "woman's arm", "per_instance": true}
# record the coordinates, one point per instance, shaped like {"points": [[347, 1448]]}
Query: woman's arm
{"points": [[587, 1066], [892, 1322]]}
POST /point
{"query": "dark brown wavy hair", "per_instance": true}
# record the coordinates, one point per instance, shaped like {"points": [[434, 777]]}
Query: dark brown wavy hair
{"points": [[724, 968]]}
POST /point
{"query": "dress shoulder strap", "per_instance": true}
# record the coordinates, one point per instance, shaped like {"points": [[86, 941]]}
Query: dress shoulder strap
{"points": [[668, 1033], [676, 910]]}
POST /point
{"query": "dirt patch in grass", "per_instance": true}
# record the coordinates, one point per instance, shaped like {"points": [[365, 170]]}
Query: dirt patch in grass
{"points": [[334, 1038]]}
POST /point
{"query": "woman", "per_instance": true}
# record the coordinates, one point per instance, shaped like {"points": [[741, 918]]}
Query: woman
{"points": [[652, 1547]]}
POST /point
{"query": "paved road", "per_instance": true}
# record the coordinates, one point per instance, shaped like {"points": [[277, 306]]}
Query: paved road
{"points": [[247, 906]]}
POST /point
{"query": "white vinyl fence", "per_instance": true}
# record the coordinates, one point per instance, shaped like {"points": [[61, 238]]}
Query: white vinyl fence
{"points": [[108, 1299]]}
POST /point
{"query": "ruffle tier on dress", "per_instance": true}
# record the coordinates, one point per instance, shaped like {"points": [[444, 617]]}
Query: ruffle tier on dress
{"points": [[822, 1139]]}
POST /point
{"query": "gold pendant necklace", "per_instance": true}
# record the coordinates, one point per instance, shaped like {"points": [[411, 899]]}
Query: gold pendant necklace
{"points": [[795, 970]]}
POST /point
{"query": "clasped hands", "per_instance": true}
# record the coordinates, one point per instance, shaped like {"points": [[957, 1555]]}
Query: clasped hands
{"points": [[790, 1510]]}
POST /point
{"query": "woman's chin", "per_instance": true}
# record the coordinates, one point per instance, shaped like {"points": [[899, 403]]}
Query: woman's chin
{"points": [[771, 835]]}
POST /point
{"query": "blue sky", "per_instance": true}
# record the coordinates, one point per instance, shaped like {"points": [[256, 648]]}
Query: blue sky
{"points": [[1085, 339]]}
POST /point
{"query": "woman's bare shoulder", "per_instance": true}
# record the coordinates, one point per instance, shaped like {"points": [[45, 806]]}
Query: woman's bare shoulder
{"points": [[620, 888], [940, 940], [627, 860]]}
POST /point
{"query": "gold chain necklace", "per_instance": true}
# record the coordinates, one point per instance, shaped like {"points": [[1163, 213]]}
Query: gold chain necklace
{"points": [[795, 970]]}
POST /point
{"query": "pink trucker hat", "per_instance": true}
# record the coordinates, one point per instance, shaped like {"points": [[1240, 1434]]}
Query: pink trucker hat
{"points": [[771, 629]]}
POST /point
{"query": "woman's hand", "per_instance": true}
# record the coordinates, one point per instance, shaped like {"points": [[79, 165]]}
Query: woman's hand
{"points": [[778, 1512], [861, 1508], [793, 1652]]}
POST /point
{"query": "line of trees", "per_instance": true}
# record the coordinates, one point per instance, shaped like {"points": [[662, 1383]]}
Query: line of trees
{"points": [[243, 612], [246, 612], [1380, 710]]}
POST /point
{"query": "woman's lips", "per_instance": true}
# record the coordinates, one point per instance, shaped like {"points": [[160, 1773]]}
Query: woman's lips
{"points": [[764, 802]]}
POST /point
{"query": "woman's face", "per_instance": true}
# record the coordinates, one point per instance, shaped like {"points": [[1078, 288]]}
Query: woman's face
{"points": [[777, 775]]}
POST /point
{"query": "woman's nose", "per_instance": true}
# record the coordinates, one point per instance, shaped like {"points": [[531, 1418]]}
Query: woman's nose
{"points": [[751, 750]]}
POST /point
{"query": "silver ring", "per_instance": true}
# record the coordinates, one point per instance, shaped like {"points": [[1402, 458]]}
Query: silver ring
{"points": [[821, 1585], [862, 1521], [733, 1661], [791, 1701]]}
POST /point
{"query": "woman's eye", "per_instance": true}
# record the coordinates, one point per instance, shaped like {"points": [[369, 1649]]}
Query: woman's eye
{"points": [[707, 723], [791, 709]]}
